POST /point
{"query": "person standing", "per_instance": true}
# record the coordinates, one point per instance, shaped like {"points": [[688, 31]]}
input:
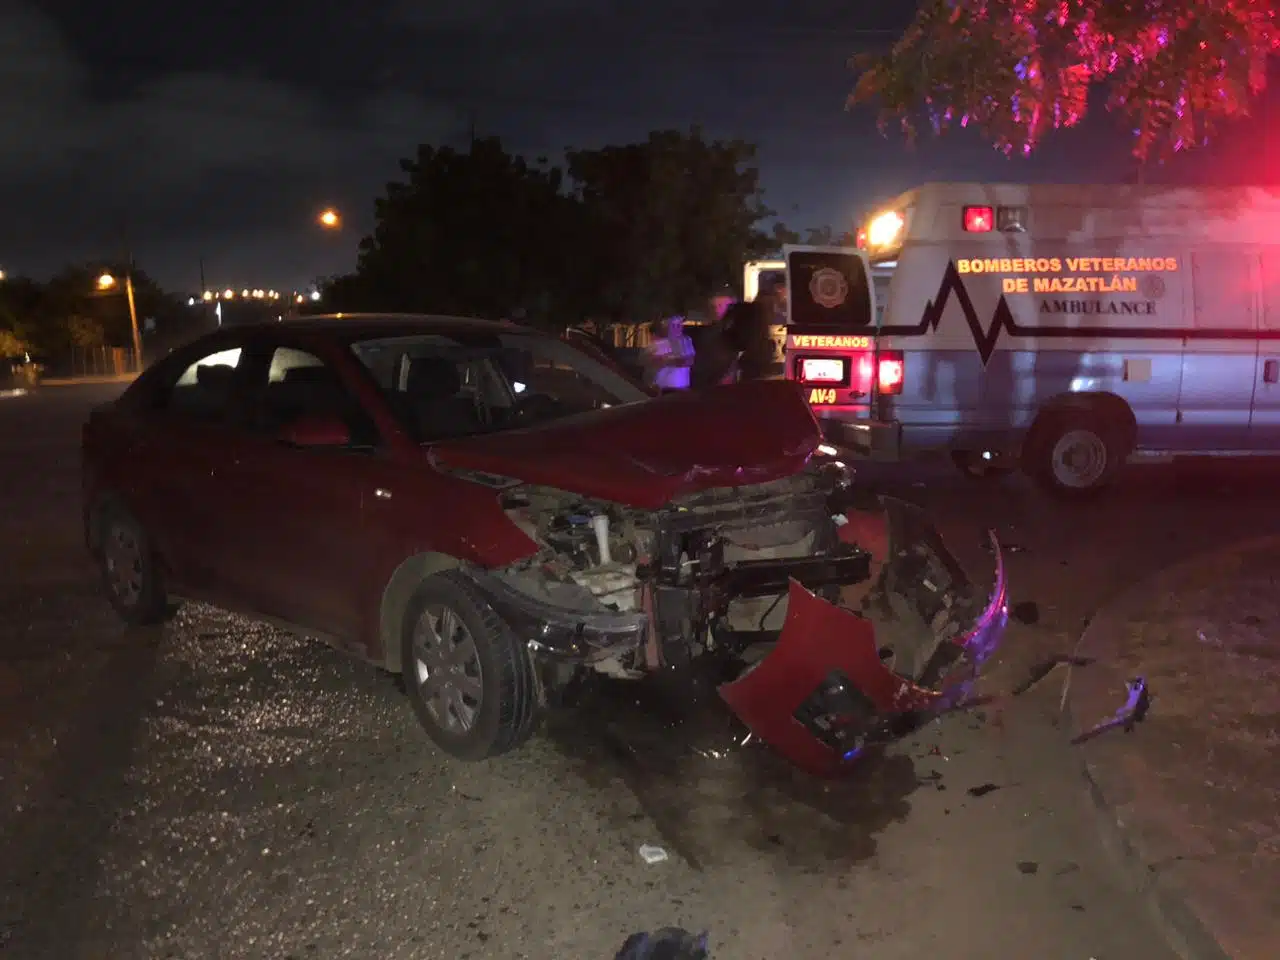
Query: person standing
{"points": [[669, 357], [750, 337]]}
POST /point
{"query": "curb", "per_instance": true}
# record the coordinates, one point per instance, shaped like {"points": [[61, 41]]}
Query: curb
{"points": [[1187, 931], [88, 381]]}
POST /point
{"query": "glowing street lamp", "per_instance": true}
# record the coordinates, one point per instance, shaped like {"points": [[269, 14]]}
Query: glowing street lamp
{"points": [[330, 219], [106, 282]]}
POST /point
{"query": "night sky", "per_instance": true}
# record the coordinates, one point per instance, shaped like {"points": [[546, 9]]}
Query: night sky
{"points": [[221, 130]]}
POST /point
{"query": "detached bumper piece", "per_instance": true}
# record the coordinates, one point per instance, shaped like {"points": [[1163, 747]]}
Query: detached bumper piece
{"points": [[823, 695]]}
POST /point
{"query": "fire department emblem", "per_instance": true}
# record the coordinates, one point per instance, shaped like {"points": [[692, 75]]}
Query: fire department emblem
{"points": [[828, 287]]}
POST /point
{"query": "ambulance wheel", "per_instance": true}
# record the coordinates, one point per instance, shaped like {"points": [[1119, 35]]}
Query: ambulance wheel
{"points": [[972, 465], [1075, 454]]}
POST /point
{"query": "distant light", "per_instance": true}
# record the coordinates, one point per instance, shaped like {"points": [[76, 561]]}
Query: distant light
{"points": [[229, 293], [106, 281], [244, 293], [315, 294], [273, 294], [518, 387], [191, 301], [207, 295], [330, 218], [299, 298], [2, 276]]}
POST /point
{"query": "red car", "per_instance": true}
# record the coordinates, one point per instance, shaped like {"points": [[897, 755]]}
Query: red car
{"points": [[493, 512]]}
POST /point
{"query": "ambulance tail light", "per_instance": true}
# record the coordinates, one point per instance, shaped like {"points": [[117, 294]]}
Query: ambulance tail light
{"points": [[979, 219], [891, 371], [862, 239]]}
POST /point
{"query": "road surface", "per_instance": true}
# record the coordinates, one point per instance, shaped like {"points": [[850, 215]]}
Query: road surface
{"points": [[221, 789]]}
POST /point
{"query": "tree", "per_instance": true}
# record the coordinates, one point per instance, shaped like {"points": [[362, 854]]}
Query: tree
{"points": [[632, 232], [1020, 68], [71, 311], [670, 220], [477, 232]]}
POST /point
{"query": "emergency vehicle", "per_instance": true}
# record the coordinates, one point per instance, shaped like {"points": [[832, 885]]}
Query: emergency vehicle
{"points": [[1066, 329]]}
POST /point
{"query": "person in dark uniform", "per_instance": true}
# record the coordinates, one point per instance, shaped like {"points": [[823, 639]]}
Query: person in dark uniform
{"points": [[716, 354], [749, 336]]}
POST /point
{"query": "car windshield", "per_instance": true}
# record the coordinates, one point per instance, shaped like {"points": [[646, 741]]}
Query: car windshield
{"points": [[459, 384]]}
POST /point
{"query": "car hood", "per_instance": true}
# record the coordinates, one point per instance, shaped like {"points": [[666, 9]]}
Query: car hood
{"points": [[646, 453]]}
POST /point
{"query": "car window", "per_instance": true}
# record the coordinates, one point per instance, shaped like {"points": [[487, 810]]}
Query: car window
{"points": [[204, 389], [299, 384], [442, 387]]}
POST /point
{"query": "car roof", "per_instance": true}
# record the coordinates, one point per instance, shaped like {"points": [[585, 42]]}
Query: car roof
{"points": [[349, 327]]}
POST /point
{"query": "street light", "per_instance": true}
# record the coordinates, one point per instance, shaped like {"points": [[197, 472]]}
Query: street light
{"points": [[107, 282], [330, 219]]}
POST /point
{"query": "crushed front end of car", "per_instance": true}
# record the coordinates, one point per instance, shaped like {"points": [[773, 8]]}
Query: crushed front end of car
{"points": [[761, 577], [838, 681]]}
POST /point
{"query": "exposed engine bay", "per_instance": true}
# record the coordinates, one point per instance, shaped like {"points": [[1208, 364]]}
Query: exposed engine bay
{"points": [[733, 572], [708, 572]]}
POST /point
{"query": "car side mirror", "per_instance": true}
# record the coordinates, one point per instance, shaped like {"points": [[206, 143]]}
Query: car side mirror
{"points": [[316, 431]]}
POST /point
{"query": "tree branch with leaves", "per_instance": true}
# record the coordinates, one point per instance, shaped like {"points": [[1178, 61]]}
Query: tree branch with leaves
{"points": [[1017, 69]]}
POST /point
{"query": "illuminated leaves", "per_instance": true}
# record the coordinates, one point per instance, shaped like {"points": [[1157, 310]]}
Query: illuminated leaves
{"points": [[1020, 68]]}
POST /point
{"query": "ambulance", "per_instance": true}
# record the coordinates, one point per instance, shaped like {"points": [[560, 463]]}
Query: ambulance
{"points": [[1061, 329]]}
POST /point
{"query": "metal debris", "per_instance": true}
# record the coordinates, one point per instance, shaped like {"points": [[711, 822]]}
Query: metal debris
{"points": [[651, 854], [1134, 711], [669, 943]]}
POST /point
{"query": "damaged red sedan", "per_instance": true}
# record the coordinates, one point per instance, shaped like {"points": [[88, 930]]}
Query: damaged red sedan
{"points": [[494, 513]]}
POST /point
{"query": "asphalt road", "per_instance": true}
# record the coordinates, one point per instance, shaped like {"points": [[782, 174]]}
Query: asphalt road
{"points": [[221, 789]]}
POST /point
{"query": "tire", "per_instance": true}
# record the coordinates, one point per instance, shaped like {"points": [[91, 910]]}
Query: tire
{"points": [[131, 573], [976, 468], [497, 711], [1082, 434]]}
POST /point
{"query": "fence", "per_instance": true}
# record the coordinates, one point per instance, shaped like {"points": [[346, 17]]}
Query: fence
{"points": [[100, 362]]}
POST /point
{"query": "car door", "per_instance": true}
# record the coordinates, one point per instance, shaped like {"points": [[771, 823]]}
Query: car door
{"points": [[182, 449], [1215, 398], [1264, 423], [301, 554]]}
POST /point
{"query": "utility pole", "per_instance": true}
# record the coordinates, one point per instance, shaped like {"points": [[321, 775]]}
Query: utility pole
{"points": [[133, 307], [133, 318]]}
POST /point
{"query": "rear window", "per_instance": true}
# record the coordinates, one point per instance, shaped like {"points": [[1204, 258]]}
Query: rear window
{"points": [[829, 291]]}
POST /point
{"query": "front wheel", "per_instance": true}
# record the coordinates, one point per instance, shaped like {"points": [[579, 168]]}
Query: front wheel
{"points": [[1076, 455], [471, 682], [130, 572]]}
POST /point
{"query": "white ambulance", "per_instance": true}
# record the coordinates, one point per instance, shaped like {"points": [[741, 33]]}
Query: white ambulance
{"points": [[1063, 328]]}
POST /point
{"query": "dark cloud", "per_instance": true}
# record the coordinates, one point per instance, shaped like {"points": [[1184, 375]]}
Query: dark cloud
{"points": [[219, 131], [185, 159]]}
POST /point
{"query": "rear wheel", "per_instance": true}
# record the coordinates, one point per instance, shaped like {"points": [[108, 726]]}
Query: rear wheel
{"points": [[1076, 454], [471, 682], [130, 572]]}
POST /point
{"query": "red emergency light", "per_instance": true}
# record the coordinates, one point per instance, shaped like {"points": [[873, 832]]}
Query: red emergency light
{"points": [[979, 219], [862, 238], [891, 373]]}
